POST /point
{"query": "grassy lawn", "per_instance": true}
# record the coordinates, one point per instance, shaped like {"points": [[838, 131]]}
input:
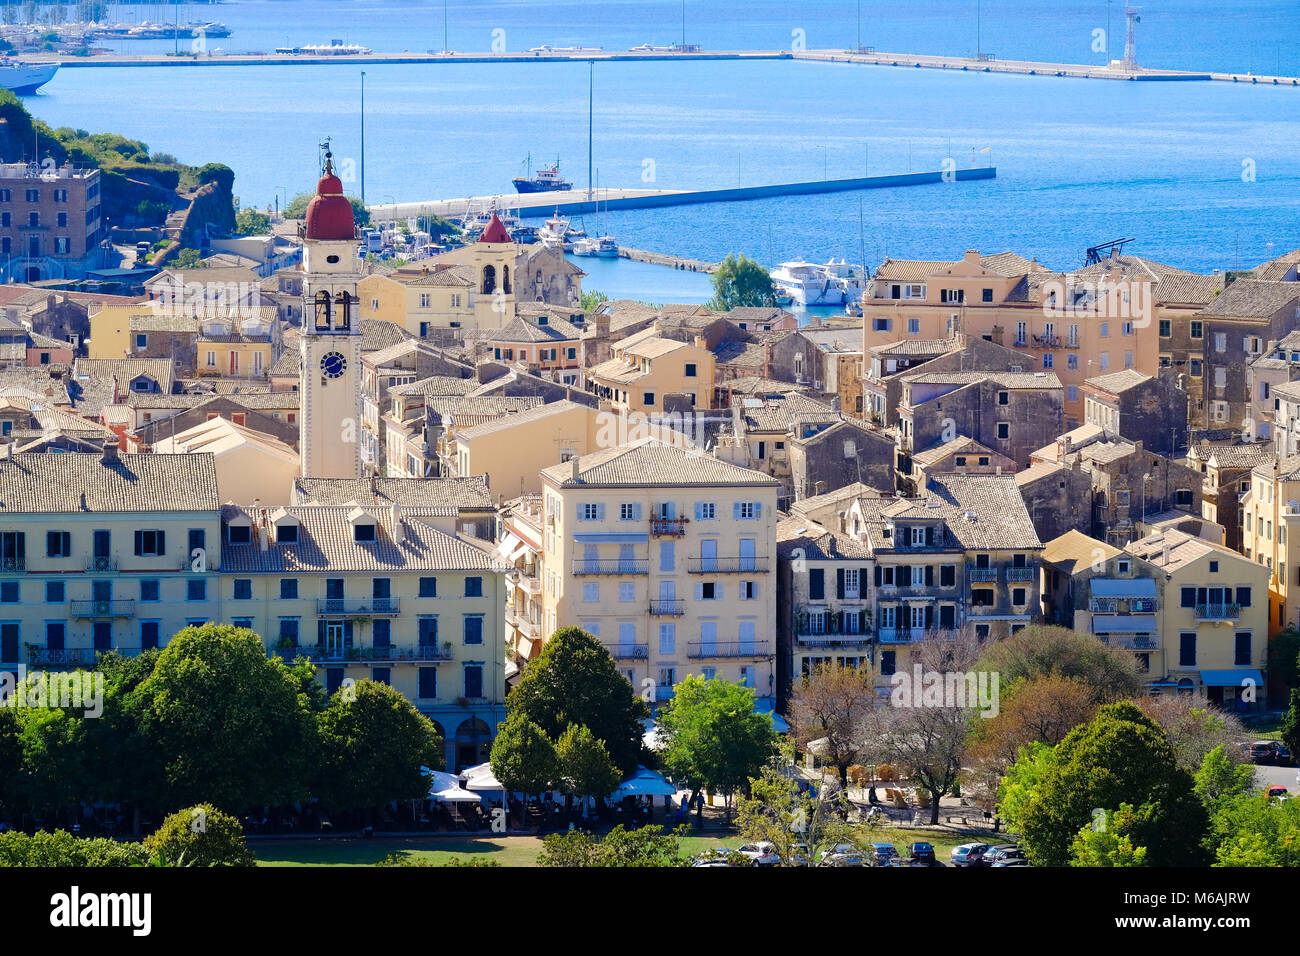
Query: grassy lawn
{"points": [[508, 851]]}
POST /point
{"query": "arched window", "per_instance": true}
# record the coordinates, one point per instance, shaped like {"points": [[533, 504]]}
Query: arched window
{"points": [[505, 279], [347, 306], [322, 311], [489, 280]]}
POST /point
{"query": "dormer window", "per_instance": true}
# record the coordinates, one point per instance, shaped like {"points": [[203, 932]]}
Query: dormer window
{"points": [[240, 533], [287, 534], [918, 537], [364, 532]]}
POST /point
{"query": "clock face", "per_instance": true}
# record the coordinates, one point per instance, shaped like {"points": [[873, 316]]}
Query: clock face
{"points": [[333, 364]]}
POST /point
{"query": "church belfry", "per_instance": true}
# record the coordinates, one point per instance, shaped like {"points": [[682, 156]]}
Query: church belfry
{"points": [[330, 385]]}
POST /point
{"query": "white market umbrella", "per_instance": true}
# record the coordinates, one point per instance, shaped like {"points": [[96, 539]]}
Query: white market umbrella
{"points": [[456, 795], [645, 783]]}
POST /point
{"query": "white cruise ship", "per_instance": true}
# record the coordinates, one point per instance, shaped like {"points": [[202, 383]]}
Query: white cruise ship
{"points": [[25, 76], [809, 284]]}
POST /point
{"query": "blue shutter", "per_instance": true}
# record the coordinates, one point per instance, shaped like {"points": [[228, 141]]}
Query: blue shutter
{"points": [[699, 511], [636, 511], [699, 592], [600, 511], [758, 509], [735, 510]]}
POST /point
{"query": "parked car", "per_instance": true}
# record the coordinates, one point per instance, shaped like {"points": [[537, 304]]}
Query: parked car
{"points": [[1001, 854], [968, 854], [882, 854], [843, 854], [1020, 861], [761, 853], [1264, 752], [1278, 793], [1282, 755], [720, 856], [922, 852]]}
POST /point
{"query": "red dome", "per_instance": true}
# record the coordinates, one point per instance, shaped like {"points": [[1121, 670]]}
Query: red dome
{"points": [[329, 214], [495, 231]]}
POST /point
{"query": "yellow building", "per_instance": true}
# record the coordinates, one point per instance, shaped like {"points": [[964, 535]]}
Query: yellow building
{"points": [[382, 593], [1270, 534], [646, 367], [513, 449], [251, 465], [420, 299], [104, 551], [669, 557], [1213, 618]]}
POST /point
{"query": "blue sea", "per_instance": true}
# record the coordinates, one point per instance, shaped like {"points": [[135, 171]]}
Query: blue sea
{"points": [[1201, 175]]}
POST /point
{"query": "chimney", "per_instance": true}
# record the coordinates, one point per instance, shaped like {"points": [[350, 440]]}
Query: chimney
{"points": [[110, 451], [575, 470], [398, 535], [972, 256]]}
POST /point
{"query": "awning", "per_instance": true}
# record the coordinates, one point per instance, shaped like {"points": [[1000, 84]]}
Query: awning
{"points": [[524, 647], [612, 537], [1123, 624], [507, 544], [514, 555], [766, 705], [1232, 678], [1123, 587]]}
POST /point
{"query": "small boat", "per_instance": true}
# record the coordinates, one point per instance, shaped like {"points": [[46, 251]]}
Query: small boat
{"points": [[546, 180], [23, 76], [602, 247], [810, 284]]}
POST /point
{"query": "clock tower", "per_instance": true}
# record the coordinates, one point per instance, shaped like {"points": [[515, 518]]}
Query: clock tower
{"points": [[330, 385]]}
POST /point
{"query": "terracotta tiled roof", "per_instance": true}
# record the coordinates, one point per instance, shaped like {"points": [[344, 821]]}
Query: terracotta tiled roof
{"points": [[80, 483]]}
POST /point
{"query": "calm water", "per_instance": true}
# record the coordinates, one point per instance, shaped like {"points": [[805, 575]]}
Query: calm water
{"points": [[1204, 175]]}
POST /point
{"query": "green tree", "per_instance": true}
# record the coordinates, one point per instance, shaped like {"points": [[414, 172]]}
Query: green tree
{"points": [[218, 173], [1284, 657], [1022, 781], [713, 737], [642, 847], [1289, 730], [187, 259], [1220, 781], [1121, 756], [584, 766], [199, 836], [1258, 831], [740, 281], [781, 812], [523, 757], [591, 300], [250, 222], [232, 724], [1111, 845], [1041, 651], [373, 743], [830, 706], [575, 681]]}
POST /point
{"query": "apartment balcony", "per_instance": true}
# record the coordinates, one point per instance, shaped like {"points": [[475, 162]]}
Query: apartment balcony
{"points": [[371, 607], [1047, 342], [13, 564], [125, 608], [1132, 642], [904, 592], [667, 527], [832, 641], [421, 653], [1217, 612], [629, 652], [898, 635], [745, 565], [1118, 605], [73, 656], [667, 608], [706, 649], [1022, 575], [105, 562], [616, 566], [523, 625], [982, 575], [664, 692]]}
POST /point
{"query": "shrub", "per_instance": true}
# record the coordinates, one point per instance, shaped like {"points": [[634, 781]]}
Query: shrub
{"points": [[61, 848], [199, 836]]}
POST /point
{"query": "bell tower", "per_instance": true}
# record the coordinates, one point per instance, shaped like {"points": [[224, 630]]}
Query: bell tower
{"points": [[330, 384]]}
